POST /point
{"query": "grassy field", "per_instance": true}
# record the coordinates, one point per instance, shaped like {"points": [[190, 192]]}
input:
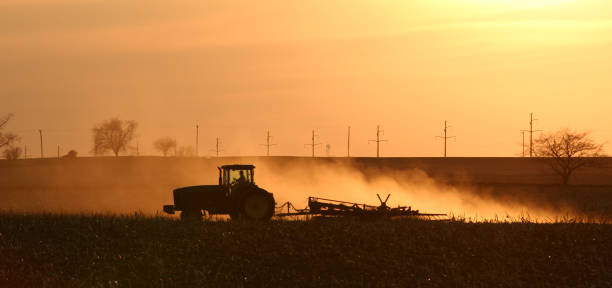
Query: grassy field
{"points": [[136, 251]]}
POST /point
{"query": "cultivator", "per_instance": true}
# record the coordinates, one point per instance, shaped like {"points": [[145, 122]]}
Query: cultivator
{"points": [[334, 208]]}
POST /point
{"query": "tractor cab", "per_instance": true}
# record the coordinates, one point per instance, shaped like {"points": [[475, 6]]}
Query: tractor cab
{"points": [[232, 176]]}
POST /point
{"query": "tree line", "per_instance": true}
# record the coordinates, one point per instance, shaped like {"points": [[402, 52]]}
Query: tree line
{"points": [[115, 135], [565, 151]]}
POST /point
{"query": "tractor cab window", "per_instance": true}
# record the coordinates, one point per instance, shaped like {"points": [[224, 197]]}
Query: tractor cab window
{"points": [[240, 176]]}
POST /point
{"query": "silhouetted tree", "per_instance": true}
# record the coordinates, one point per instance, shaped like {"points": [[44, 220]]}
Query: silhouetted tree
{"points": [[70, 154], [566, 151], [113, 135], [164, 145], [12, 153], [6, 138]]}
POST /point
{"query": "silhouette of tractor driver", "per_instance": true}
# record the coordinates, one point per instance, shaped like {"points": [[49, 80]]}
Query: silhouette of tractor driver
{"points": [[241, 179]]}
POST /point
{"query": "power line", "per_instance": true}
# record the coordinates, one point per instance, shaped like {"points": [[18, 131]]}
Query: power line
{"points": [[313, 144], [55, 131], [378, 140], [268, 144], [52, 131], [24, 131], [445, 137]]}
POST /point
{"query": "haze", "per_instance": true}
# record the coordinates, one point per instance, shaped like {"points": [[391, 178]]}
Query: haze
{"points": [[238, 68]]}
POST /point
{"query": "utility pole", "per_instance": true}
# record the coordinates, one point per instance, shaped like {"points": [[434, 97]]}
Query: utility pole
{"points": [[197, 139], [58, 151], [531, 134], [523, 133], [445, 137], [218, 147], [348, 143], [41, 143], [137, 149], [268, 144], [378, 140], [313, 144], [25, 151]]}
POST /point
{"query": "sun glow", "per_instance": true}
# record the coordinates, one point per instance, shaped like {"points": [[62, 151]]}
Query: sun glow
{"points": [[521, 4]]}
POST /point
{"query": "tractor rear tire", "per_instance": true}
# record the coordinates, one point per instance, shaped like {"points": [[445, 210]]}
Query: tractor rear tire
{"points": [[257, 205], [191, 215]]}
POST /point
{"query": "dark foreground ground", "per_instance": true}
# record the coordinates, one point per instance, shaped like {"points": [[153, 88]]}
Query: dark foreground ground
{"points": [[112, 251]]}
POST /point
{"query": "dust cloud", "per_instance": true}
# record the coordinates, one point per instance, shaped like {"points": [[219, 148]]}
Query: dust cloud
{"points": [[413, 187], [130, 185]]}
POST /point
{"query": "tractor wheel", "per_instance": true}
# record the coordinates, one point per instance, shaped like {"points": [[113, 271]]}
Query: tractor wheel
{"points": [[191, 215], [257, 205]]}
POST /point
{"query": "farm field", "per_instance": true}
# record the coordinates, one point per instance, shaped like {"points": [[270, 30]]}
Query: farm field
{"points": [[463, 186], [43, 250], [95, 222]]}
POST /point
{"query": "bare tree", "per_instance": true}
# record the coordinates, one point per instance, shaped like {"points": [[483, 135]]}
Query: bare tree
{"points": [[113, 135], [164, 145], [566, 151], [6, 138], [12, 153]]}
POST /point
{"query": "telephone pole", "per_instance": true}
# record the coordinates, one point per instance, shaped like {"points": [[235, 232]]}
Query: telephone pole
{"points": [[313, 144], [25, 151], [378, 140], [531, 134], [41, 143], [445, 137], [218, 147], [197, 139], [58, 151], [268, 144], [348, 143], [523, 133]]}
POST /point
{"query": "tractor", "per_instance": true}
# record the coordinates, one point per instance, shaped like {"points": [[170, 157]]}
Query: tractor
{"points": [[236, 195]]}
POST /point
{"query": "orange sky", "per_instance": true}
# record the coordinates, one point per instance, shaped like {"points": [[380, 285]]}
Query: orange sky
{"points": [[240, 67]]}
